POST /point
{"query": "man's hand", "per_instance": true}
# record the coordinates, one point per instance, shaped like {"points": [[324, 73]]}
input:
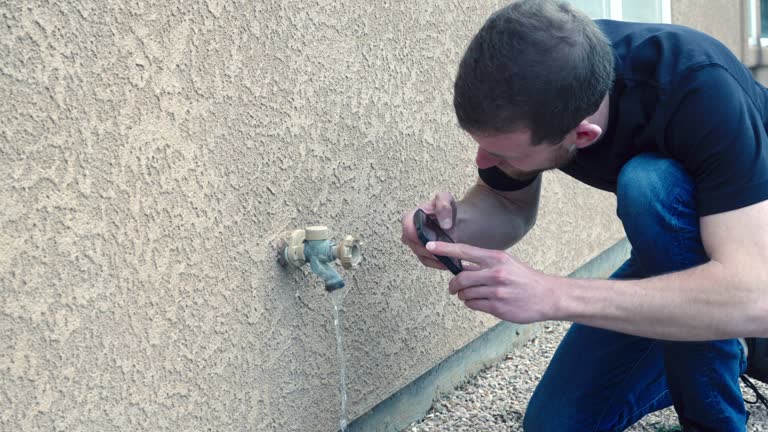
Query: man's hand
{"points": [[443, 206], [498, 284], [483, 217]]}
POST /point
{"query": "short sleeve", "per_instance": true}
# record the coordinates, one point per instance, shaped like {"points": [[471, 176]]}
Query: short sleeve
{"points": [[715, 130], [496, 179]]}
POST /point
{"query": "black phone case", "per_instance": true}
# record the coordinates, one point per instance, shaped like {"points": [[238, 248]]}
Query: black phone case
{"points": [[424, 240]]}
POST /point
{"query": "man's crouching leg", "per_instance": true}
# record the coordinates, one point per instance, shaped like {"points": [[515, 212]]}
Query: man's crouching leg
{"points": [[656, 204], [605, 381]]}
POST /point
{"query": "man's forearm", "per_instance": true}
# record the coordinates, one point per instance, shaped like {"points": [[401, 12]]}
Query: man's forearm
{"points": [[703, 303], [487, 220]]}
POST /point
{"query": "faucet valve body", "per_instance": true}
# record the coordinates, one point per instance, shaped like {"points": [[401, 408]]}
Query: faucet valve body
{"points": [[312, 244]]}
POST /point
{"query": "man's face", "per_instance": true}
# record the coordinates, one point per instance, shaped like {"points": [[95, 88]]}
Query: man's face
{"points": [[514, 154]]}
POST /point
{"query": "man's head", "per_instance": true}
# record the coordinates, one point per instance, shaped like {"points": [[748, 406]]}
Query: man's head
{"points": [[536, 67]]}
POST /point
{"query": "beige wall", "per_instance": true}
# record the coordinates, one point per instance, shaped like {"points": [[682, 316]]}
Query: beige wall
{"points": [[152, 154], [722, 19]]}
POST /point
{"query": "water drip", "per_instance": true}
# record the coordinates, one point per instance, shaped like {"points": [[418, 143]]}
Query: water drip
{"points": [[337, 298]]}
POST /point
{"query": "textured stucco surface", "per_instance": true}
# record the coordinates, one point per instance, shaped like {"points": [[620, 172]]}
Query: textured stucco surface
{"points": [[152, 154], [722, 19]]}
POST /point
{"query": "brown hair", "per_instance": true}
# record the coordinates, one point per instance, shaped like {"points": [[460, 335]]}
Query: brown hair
{"points": [[535, 64]]}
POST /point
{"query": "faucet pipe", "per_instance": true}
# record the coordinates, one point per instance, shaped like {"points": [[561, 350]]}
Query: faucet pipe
{"points": [[321, 255], [312, 244]]}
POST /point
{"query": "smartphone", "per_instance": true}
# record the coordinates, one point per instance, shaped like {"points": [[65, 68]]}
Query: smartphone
{"points": [[429, 230]]}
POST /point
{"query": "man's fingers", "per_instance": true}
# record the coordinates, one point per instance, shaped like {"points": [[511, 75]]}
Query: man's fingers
{"points": [[432, 263], [483, 257], [471, 280], [445, 209], [468, 266], [482, 305], [428, 207], [408, 235], [478, 292], [417, 247], [424, 256]]}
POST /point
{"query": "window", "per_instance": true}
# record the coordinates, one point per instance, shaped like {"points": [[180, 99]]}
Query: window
{"points": [[628, 10], [763, 18], [758, 21]]}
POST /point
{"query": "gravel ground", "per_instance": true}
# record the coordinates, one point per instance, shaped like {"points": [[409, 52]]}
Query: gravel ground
{"points": [[496, 398]]}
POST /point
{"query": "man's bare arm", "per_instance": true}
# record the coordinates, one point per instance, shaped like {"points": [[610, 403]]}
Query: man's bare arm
{"points": [[496, 220], [726, 297], [483, 217]]}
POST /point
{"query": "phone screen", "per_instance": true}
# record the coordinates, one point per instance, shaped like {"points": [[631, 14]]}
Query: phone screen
{"points": [[429, 230]]}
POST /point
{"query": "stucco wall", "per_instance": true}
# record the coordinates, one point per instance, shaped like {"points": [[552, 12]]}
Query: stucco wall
{"points": [[152, 154], [722, 19]]}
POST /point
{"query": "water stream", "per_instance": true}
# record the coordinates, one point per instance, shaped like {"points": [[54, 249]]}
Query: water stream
{"points": [[337, 297]]}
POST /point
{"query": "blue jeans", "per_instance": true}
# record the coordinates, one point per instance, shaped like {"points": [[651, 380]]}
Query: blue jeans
{"points": [[601, 380]]}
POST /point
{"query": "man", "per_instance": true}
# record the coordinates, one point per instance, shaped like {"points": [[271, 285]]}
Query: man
{"points": [[669, 120]]}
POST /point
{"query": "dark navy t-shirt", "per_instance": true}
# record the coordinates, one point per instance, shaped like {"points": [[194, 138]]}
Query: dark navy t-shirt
{"points": [[683, 94]]}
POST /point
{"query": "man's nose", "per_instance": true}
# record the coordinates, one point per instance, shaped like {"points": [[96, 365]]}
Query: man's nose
{"points": [[486, 160]]}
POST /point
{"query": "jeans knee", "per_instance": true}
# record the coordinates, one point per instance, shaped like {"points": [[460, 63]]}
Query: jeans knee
{"points": [[657, 207], [647, 182], [533, 420], [541, 417]]}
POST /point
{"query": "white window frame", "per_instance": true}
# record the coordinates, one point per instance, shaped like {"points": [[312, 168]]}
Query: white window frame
{"points": [[616, 9], [666, 10], [754, 24]]}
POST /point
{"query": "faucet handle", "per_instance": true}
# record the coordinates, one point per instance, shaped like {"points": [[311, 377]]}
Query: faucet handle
{"points": [[317, 233], [294, 251], [348, 252]]}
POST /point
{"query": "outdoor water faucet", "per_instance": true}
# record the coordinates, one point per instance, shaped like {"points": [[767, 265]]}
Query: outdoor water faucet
{"points": [[312, 244]]}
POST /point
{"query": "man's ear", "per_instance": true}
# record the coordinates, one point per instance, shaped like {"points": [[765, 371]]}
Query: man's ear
{"points": [[585, 134]]}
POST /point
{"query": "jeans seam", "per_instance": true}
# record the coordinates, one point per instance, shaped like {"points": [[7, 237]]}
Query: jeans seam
{"points": [[675, 212], [600, 419], [644, 409]]}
